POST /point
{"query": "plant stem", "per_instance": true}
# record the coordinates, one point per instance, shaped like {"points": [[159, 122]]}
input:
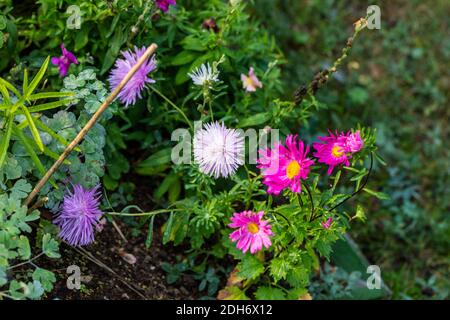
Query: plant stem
{"points": [[174, 106], [26, 262], [142, 214]]}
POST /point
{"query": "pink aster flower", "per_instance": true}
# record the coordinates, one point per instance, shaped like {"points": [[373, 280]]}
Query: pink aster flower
{"points": [[134, 87], [336, 149], [64, 61], [327, 224], [332, 151], [250, 82], [284, 167], [79, 215], [253, 233], [353, 142], [164, 4]]}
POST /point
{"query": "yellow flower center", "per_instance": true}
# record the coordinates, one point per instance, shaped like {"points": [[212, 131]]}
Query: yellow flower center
{"points": [[293, 169], [252, 227], [337, 151]]}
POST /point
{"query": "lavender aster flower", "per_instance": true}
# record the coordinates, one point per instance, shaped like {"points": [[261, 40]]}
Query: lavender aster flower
{"points": [[134, 87], [218, 150], [79, 215], [64, 61]]}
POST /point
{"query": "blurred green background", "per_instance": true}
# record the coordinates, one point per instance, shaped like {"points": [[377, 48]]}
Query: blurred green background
{"points": [[397, 80]]}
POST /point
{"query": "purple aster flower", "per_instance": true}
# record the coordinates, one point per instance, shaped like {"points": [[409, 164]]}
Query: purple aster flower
{"points": [[79, 215], [64, 61], [164, 4], [134, 87]]}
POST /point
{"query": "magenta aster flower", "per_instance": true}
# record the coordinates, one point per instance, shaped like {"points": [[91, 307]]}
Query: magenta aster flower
{"points": [[219, 151], [353, 142], [327, 224], [79, 215], [284, 167], [164, 4], [336, 149], [250, 82], [332, 150], [134, 87], [253, 233], [64, 61]]}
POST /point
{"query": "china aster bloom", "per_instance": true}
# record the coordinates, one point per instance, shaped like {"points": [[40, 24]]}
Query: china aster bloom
{"points": [[284, 167], [132, 90], [336, 149], [164, 4], [332, 150], [327, 224], [250, 82], [353, 142], [253, 233], [63, 62], [204, 75], [218, 151], [79, 215]]}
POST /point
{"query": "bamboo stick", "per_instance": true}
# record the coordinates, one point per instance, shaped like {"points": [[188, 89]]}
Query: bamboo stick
{"points": [[150, 50]]}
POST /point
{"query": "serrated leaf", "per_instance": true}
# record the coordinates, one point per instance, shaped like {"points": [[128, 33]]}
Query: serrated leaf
{"points": [[269, 293], [250, 268]]}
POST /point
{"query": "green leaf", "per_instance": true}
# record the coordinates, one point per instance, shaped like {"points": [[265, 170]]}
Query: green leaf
{"points": [[250, 268], [45, 277], [149, 239], [23, 247], [183, 57], [6, 139], [50, 105], [50, 246], [33, 156], [269, 293], [33, 129], [158, 158], [279, 268], [255, 120], [168, 229], [36, 79], [21, 189], [379, 195], [3, 278], [10, 87], [47, 95], [165, 185]]}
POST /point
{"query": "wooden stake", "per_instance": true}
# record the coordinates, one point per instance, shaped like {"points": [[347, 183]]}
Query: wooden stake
{"points": [[150, 50]]}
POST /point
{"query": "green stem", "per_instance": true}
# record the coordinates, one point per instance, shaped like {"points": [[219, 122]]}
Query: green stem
{"points": [[142, 214], [174, 106]]}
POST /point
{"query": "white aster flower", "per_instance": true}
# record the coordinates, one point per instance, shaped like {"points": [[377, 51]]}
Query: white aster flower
{"points": [[204, 75], [218, 151]]}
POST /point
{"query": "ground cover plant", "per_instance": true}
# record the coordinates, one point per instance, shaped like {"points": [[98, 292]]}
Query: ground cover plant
{"points": [[220, 165]]}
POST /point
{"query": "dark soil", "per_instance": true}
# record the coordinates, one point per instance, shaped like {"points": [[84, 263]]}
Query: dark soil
{"points": [[145, 275], [142, 279]]}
